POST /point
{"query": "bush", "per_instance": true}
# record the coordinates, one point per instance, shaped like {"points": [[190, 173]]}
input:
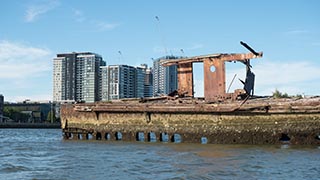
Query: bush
{"points": [[277, 94], [15, 114]]}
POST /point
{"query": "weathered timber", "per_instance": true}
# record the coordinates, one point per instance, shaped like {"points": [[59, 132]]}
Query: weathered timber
{"points": [[256, 121]]}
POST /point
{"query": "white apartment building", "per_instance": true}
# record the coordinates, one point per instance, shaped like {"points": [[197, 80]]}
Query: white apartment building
{"points": [[59, 79], [122, 81], [76, 77]]}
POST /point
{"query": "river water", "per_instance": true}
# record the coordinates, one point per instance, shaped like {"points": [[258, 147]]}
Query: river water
{"points": [[34, 154]]}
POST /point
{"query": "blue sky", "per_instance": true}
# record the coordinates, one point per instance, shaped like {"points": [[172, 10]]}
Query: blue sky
{"points": [[32, 32]]}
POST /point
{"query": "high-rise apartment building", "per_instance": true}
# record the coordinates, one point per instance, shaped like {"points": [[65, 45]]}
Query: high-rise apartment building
{"points": [[139, 81], [123, 81], [165, 79], [76, 77], [85, 77], [59, 79], [104, 89], [148, 81]]}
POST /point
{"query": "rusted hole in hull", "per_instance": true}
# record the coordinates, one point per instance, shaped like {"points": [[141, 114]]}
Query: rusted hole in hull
{"points": [[118, 136], [204, 140], [98, 136], [164, 137], [284, 138], [89, 136], [176, 138], [140, 136], [152, 137], [107, 136]]}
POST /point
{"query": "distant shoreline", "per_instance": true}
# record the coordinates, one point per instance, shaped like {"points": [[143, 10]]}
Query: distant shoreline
{"points": [[31, 125]]}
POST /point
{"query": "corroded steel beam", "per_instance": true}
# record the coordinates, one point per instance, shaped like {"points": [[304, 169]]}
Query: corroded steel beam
{"points": [[219, 57], [249, 48], [214, 79], [185, 79]]}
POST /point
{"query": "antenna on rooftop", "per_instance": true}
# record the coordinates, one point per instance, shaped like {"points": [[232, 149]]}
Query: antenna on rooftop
{"points": [[162, 36]]}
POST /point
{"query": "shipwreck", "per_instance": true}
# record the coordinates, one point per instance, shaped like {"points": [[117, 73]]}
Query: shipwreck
{"points": [[220, 117]]}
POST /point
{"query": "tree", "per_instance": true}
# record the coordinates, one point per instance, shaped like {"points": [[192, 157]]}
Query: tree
{"points": [[15, 114], [51, 117]]}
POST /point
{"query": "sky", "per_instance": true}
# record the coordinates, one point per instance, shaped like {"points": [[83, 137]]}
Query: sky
{"points": [[32, 32]]}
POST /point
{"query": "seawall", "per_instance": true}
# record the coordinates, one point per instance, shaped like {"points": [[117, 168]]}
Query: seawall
{"points": [[31, 125]]}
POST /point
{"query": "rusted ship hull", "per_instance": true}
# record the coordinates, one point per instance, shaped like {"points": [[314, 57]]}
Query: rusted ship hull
{"points": [[262, 121]]}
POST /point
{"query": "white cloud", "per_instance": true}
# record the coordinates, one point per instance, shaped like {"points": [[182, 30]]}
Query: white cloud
{"points": [[78, 15], [297, 32], [8, 71], [35, 10], [105, 26], [21, 61], [11, 52], [286, 73], [25, 71], [293, 78], [297, 77], [37, 97]]}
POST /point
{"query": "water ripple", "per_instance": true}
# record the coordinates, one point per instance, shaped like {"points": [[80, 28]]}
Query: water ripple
{"points": [[42, 154], [10, 168]]}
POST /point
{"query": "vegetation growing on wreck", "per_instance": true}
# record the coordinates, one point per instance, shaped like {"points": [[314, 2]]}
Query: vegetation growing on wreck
{"points": [[277, 95]]}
